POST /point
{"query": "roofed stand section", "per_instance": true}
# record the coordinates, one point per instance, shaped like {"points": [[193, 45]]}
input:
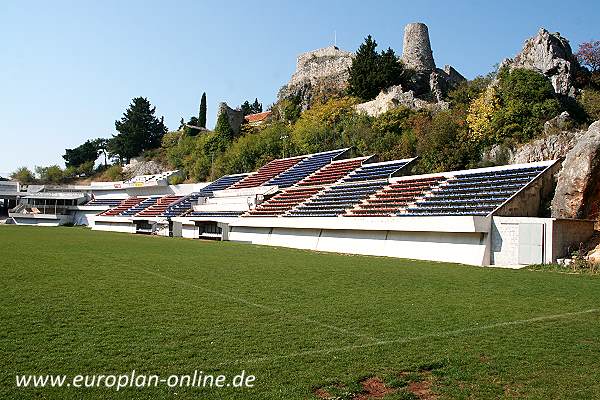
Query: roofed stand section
{"points": [[159, 207], [123, 206], [268, 171], [394, 197], [306, 167], [185, 204], [353, 188], [306, 188], [477, 193]]}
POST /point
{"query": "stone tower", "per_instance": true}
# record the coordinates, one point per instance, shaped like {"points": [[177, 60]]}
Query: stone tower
{"points": [[416, 51]]}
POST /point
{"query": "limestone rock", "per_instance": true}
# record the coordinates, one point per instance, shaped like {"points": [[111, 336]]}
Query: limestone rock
{"points": [[393, 97], [498, 154], [577, 192], [323, 72], [138, 166], [550, 147], [551, 55]]}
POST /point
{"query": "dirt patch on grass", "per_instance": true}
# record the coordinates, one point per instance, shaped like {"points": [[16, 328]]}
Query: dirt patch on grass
{"points": [[374, 388], [323, 394], [422, 389], [418, 385]]}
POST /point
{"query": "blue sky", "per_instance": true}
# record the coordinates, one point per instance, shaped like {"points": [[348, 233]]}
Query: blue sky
{"points": [[68, 69]]}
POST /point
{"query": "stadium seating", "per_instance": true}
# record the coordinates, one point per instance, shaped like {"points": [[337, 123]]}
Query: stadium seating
{"points": [[284, 201], [185, 204], [382, 170], [142, 205], [304, 168], [334, 200], [104, 202], [159, 207], [474, 194], [123, 206], [332, 172], [306, 188], [394, 197], [268, 171]]}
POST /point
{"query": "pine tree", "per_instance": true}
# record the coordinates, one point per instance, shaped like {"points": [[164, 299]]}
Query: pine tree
{"points": [[371, 71], [223, 128], [390, 69], [202, 112], [256, 107], [246, 108], [139, 129], [362, 82]]}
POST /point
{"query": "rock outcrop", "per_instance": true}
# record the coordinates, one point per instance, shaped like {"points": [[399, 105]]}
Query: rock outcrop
{"points": [[137, 166], [551, 55], [319, 73], [577, 192], [558, 139], [394, 97]]}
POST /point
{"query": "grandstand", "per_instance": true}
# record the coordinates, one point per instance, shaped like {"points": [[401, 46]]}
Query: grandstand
{"points": [[307, 187], [327, 201]]}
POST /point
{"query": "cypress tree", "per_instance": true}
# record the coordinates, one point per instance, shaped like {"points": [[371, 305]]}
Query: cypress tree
{"points": [[202, 112]]}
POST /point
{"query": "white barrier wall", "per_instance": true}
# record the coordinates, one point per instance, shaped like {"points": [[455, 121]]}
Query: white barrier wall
{"points": [[113, 225], [460, 239]]}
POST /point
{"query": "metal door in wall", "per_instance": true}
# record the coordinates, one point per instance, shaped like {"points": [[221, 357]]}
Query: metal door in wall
{"points": [[531, 244]]}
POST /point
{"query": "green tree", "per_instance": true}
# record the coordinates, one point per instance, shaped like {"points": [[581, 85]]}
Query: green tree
{"points": [[202, 112], [363, 81], [102, 147], [527, 100], [139, 129], [253, 108], [256, 107], [52, 174], [88, 151], [441, 143], [371, 72], [23, 175], [246, 108]]}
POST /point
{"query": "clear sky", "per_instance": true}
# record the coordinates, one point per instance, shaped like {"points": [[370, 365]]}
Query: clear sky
{"points": [[68, 69]]}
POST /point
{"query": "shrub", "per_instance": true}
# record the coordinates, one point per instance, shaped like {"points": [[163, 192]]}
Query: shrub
{"points": [[52, 174], [442, 144], [23, 175], [320, 128], [250, 152], [527, 100], [480, 115], [113, 173], [590, 100]]}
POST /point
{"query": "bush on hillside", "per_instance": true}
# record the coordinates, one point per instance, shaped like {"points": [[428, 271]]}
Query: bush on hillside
{"points": [[590, 100], [250, 152]]}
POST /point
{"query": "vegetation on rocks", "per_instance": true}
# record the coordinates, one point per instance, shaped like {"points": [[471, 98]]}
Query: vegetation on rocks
{"points": [[505, 108]]}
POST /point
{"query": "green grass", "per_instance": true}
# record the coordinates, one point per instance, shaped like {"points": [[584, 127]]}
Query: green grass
{"points": [[74, 301]]}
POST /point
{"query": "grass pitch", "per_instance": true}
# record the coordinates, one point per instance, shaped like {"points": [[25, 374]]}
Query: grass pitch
{"points": [[75, 301]]}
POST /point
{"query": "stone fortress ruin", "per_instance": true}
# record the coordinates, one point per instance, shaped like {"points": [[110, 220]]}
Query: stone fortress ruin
{"points": [[324, 72]]}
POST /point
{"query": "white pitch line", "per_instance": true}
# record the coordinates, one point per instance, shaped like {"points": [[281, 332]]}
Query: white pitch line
{"points": [[262, 306], [409, 339]]}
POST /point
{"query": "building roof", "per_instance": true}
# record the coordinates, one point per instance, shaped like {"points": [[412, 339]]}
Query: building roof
{"points": [[257, 117]]}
